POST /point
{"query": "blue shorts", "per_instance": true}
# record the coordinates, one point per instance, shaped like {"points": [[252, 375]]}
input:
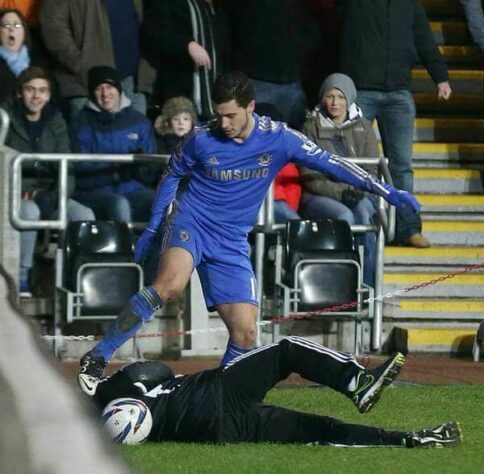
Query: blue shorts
{"points": [[222, 263]]}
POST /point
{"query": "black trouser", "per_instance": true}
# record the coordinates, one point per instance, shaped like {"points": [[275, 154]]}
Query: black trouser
{"points": [[247, 380]]}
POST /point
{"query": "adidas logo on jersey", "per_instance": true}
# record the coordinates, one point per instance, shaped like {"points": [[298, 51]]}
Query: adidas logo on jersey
{"points": [[212, 160]]}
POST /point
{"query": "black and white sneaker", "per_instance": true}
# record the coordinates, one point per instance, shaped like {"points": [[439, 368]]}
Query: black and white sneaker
{"points": [[90, 373], [370, 383], [442, 436]]}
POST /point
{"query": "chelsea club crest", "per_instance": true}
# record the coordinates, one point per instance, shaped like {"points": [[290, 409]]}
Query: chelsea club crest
{"points": [[265, 159]]}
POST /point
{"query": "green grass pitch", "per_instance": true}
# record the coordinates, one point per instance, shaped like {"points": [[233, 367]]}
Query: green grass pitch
{"points": [[401, 407]]}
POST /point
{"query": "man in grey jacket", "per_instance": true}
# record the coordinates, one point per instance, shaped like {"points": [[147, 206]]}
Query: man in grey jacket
{"points": [[84, 33]]}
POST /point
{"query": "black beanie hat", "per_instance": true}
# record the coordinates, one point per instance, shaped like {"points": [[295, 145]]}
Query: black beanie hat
{"points": [[98, 75]]}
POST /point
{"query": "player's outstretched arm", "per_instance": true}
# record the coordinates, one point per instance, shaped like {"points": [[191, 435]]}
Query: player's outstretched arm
{"points": [[397, 197], [306, 153]]}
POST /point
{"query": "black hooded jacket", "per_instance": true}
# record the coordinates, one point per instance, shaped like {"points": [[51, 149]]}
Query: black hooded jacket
{"points": [[381, 40]]}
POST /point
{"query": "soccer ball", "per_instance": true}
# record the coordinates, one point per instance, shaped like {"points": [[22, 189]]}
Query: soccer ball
{"points": [[127, 420]]}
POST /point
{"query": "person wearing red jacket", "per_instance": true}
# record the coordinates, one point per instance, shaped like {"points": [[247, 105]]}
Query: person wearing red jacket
{"points": [[287, 194]]}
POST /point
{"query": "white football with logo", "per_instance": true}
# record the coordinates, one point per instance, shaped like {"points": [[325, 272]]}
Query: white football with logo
{"points": [[127, 420]]}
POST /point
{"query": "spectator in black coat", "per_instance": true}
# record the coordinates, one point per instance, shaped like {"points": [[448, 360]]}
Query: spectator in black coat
{"points": [[381, 41], [269, 42], [187, 43]]}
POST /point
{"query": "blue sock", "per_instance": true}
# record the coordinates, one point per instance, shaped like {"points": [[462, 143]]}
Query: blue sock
{"points": [[232, 352], [139, 309]]}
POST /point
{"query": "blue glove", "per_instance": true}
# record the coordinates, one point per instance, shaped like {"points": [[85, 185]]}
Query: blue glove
{"points": [[401, 199], [143, 244]]}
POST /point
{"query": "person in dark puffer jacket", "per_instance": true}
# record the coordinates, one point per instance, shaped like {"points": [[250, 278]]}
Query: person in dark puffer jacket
{"points": [[109, 124], [270, 41]]}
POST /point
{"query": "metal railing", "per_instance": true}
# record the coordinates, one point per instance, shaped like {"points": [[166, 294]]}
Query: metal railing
{"points": [[4, 124], [64, 160], [265, 222]]}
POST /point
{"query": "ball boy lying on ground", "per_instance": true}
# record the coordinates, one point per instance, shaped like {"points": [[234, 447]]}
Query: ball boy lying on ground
{"points": [[225, 405]]}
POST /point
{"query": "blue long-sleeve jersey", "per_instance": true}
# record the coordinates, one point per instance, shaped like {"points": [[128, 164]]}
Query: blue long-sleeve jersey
{"points": [[229, 180]]}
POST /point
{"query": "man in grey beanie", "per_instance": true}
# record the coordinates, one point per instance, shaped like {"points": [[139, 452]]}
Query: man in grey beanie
{"points": [[338, 125], [342, 82]]}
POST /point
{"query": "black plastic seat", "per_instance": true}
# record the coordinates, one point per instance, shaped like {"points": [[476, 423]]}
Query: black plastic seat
{"points": [[86, 241], [318, 263], [318, 268], [98, 275], [318, 234]]}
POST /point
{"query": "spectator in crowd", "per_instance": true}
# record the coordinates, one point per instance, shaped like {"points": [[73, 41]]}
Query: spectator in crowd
{"points": [[287, 194], [83, 34], [37, 126], [110, 124], [30, 9], [287, 188], [178, 117], [16, 54], [380, 41], [324, 13], [269, 42], [187, 41], [474, 12], [337, 124]]}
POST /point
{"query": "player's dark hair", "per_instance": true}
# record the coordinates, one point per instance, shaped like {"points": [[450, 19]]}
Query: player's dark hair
{"points": [[233, 85], [33, 72]]}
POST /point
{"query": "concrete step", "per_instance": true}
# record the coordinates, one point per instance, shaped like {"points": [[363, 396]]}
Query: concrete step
{"points": [[443, 8], [459, 256], [452, 340], [449, 181], [435, 309], [449, 154], [468, 285], [460, 54], [449, 32], [469, 204], [460, 217], [459, 104], [449, 130], [459, 233], [461, 80]]}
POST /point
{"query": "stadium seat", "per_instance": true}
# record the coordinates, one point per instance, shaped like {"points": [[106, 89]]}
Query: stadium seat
{"points": [[95, 272], [317, 267]]}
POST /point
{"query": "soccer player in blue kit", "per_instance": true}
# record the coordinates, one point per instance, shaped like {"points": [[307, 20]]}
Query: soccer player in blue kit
{"points": [[231, 164]]}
